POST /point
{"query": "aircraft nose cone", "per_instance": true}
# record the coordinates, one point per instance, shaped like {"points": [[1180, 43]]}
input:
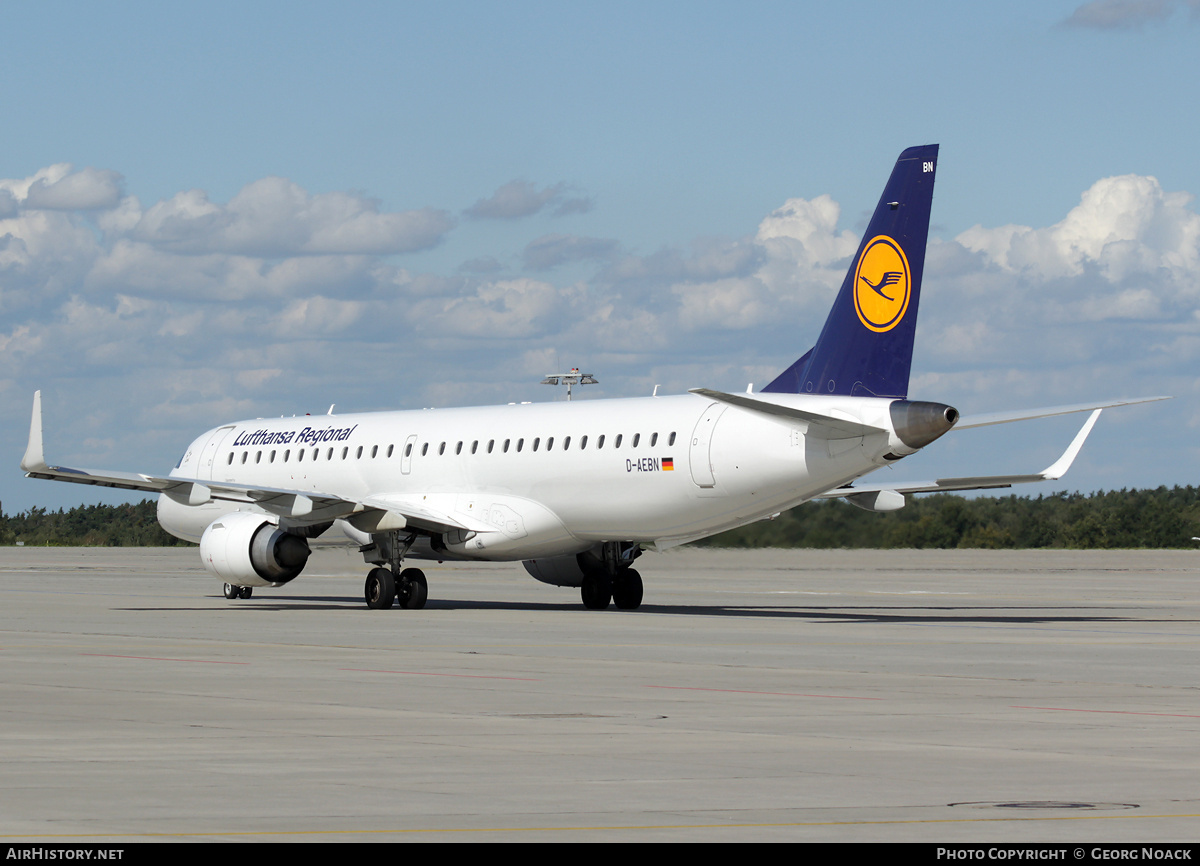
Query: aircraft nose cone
{"points": [[918, 423]]}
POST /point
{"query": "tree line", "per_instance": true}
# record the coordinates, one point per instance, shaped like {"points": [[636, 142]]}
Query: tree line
{"points": [[87, 526], [1163, 517]]}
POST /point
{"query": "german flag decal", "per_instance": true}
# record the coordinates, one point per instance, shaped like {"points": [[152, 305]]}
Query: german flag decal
{"points": [[650, 464]]}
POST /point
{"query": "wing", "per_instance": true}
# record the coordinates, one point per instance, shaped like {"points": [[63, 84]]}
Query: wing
{"points": [[300, 507], [967, 422]]}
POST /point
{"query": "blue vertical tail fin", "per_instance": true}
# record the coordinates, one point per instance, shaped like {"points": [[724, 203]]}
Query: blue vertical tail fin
{"points": [[865, 348]]}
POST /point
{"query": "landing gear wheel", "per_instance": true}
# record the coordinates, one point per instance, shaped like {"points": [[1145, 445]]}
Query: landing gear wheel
{"points": [[414, 589], [596, 591], [245, 591], [627, 590], [380, 589], [232, 592]]}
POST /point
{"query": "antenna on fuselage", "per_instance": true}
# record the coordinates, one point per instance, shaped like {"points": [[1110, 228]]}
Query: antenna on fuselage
{"points": [[570, 379]]}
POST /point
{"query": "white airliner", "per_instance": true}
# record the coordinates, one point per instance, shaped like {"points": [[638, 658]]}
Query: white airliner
{"points": [[578, 490]]}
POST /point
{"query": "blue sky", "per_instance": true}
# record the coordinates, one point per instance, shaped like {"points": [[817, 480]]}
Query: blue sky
{"points": [[218, 211]]}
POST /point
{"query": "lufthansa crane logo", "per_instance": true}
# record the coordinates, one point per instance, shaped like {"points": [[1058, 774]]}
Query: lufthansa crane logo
{"points": [[882, 284]]}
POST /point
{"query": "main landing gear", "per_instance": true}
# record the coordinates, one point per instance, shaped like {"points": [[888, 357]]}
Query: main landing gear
{"points": [[609, 577], [384, 588], [232, 592], [624, 590], [389, 583]]}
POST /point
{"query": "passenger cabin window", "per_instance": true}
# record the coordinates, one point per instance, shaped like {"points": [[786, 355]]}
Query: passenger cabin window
{"points": [[506, 441], [491, 442], [582, 442], [600, 441], [671, 439], [550, 443], [653, 439], [442, 449], [358, 453], [520, 444], [617, 441], [424, 448], [536, 442], [390, 449], [636, 437], [566, 443], [474, 446], [458, 448]]}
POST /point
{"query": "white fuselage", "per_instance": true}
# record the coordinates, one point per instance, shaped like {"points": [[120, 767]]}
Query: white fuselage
{"points": [[552, 478]]}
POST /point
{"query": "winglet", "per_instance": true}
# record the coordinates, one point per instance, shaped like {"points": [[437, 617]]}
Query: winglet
{"points": [[1059, 467], [33, 461]]}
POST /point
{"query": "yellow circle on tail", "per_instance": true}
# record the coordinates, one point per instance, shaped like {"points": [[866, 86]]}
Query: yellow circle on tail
{"points": [[882, 284]]}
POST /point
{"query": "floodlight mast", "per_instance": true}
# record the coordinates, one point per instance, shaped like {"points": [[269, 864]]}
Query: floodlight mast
{"points": [[570, 379]]}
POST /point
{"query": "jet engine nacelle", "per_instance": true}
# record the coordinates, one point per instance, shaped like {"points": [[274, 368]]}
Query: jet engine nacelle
{"points": [[556, 570], [248, 550]]}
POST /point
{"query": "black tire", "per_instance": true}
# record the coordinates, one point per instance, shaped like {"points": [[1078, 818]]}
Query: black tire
{"points": [[232, 592], [380, 589], [596, 591], [413, 579], [245, 591], [627, 590]]}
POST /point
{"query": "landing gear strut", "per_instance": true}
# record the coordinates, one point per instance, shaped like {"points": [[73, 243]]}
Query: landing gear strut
{"points": [[607, 576], [388, 582], [232, 591]]}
